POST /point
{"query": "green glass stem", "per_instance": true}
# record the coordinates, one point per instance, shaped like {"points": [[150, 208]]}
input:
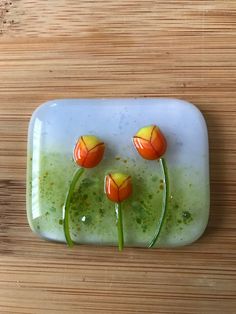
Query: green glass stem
{"points": [[119, 224], [164, 201], [66, 215]]}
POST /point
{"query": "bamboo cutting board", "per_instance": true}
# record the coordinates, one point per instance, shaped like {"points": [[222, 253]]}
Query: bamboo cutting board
{"points": [[127, 48]]}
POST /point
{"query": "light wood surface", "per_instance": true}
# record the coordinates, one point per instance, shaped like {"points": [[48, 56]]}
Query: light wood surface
{"points": [[126, 48]]}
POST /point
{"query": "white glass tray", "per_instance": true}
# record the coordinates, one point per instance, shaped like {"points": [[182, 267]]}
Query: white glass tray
{"points": [[53, 132]]}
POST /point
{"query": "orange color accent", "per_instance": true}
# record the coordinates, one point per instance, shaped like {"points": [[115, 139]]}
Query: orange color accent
{"points": [[150, 142], [89, 151], [118, 187]]}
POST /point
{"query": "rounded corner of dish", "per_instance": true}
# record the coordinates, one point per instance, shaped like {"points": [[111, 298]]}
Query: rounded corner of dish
{"points": [[42, 108], [195, 109], [198, 234]]}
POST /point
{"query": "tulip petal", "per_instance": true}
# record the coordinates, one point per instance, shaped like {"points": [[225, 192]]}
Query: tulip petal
{"points": [[145, 148], [90, 141], [158, 142], [125, 189], [145, 132], [112, 190], [80, 153], [94, 156], [119, 178]]}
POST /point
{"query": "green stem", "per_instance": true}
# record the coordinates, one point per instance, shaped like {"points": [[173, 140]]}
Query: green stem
{"points": [[66, 215], [119, 224], [164, 202]]}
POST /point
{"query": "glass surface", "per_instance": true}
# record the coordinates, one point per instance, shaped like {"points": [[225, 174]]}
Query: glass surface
{"points": [[53, 132]]}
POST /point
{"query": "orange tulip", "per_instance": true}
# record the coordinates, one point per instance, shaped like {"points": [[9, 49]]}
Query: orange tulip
{"points": [[118, 186], [150, 142], [88, 151]]}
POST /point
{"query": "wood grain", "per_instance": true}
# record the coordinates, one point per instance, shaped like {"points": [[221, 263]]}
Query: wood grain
{"points": [[58, 49]]}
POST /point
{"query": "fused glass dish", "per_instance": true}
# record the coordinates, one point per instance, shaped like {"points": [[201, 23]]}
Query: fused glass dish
{"points": [[53, 131]]}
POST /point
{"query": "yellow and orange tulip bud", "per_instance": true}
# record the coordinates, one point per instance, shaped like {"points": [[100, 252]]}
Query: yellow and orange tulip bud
{"points": [[150, 142], [118, 187], [88, 151]]}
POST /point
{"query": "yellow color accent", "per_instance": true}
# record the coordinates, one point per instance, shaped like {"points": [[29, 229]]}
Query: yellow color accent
{"points": [[145, 132], [119, 178], [91, 141]]}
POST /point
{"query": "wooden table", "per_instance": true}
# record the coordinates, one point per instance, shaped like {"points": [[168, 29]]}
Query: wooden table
{"points": [[126, 48]]}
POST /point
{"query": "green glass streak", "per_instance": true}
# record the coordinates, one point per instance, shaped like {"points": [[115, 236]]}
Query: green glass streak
{"points": [[164, 203], [66, 215], [119, 224], [141, 214]]}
